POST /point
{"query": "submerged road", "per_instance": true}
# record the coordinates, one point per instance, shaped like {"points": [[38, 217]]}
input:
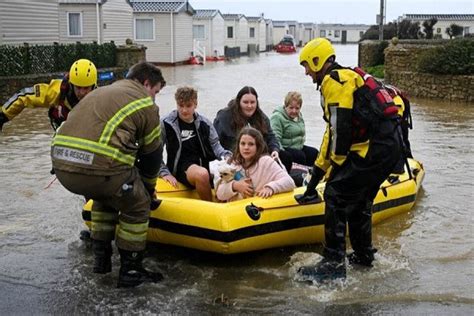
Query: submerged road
{"points": [[424, 265]]}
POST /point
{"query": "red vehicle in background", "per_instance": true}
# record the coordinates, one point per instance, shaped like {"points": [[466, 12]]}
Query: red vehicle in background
{"points": [[286, 45]]}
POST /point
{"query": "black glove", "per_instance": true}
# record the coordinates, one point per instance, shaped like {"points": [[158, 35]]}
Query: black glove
{"points": [[155, 202], [3, 119], [311, 196], [316, 175]]}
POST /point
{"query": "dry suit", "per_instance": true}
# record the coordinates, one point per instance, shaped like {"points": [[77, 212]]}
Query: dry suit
{"points": [[58, 96], [109, 150], [361, 156]]}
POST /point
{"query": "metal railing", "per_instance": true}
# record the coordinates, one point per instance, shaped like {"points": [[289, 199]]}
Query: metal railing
{"points": [[199, 50]]}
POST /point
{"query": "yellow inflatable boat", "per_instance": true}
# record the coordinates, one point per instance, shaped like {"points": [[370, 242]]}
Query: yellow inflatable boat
{"points": [[256, 223]]}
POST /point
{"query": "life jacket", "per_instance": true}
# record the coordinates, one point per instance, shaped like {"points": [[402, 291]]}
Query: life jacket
{"points": [[406, 115], [373, 103], [58, 113]]}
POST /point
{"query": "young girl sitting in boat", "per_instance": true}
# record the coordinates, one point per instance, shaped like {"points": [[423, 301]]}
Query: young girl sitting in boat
{"points": [[257, 173]]}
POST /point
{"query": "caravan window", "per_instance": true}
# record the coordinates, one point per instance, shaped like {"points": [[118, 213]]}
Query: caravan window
{"points": [[198, 31], [144, 29], [74, 24], [230, 32]]}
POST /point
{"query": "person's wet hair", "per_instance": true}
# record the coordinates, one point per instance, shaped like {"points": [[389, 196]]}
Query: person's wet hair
{"points": [[146, 71], [185, 94], [239, 120]]}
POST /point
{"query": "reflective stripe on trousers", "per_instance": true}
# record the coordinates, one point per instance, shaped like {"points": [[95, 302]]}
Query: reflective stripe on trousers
{"points": [[133, 233], [103, 223]]}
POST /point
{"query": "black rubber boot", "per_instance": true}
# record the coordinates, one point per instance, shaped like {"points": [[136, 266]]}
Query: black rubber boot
{"points": [[102, 256], [363, 259], [324, 271], [132, 273], [85, 235]]}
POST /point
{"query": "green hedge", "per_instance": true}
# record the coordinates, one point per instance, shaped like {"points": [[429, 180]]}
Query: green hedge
{"points": [[454, 58], [377, 71], [37, 59], [379, 56]]}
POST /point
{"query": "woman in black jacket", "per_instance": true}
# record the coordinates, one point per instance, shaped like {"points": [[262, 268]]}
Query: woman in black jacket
{"points": [[242, 111]]}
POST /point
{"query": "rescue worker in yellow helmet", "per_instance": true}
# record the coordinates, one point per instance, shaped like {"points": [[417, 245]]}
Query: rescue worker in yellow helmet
{"points": [[60, 95], [109, 150], [360, 157]]}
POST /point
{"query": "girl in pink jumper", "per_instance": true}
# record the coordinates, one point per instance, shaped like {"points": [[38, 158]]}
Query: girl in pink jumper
{"points": [[257, 173]]}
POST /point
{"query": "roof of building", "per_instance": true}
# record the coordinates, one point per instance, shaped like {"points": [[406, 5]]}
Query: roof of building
{"points": [[449, 17], [308, 24], [229, 16], [343, 26], [255, 18], [206, 14], [81, 1], [153, 6], [279, 23]]}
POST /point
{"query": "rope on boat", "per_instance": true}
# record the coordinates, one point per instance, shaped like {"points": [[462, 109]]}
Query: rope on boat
{"points": [[50, 183]]}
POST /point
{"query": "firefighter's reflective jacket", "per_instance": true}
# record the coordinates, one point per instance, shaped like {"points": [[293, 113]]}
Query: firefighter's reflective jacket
{"points": [[58, 96], [108, 130], [337, 101]]}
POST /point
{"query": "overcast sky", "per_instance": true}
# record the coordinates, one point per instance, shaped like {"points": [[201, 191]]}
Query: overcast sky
{"points": [[335, 11]]}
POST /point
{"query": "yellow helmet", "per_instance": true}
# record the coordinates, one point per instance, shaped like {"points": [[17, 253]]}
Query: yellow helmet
{"points": [[83, 73], [319, 47]]}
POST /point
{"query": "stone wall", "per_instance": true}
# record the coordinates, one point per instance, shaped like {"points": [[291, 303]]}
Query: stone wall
{"points": [[446, 87], [126, 56], [371, 53], [401, 71]]}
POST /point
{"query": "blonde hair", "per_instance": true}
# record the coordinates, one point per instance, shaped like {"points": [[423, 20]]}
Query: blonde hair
{"points": [[293, 95], [185, 94]]}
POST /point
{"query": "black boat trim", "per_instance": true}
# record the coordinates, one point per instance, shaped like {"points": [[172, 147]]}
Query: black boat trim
{"points": [[255, 230]]}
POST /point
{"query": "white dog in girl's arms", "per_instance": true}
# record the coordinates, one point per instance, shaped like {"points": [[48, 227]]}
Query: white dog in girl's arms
{"points": [[222, 171]]}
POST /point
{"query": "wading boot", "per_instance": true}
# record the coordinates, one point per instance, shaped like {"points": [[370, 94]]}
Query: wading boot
{"points": [[85, 235], [363, 259], [324, 271], [102, 256], [132, 272]]}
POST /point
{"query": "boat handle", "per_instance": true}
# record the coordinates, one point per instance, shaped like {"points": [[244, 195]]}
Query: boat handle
{"points": [[254, 211]]}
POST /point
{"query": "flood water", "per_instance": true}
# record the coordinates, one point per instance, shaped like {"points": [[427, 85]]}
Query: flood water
{"points": [[425, 263]]}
